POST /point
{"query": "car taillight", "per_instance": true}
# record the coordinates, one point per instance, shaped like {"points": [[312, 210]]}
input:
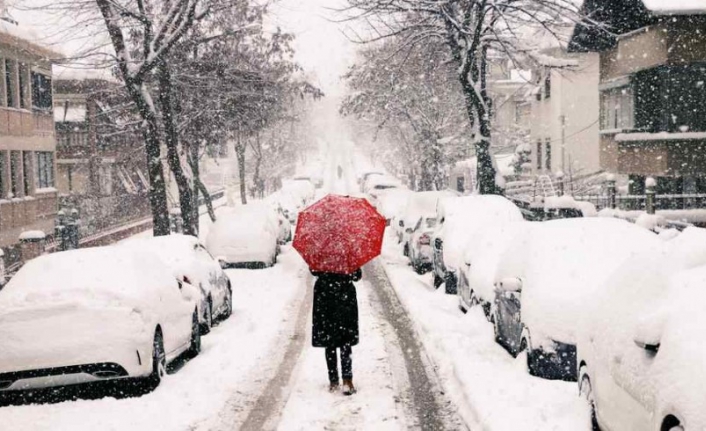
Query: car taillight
{"points": [[424, 240]]}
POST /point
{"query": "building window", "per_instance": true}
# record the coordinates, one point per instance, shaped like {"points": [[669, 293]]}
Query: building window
{"points": [[617, 109], [548, 155], [539, 155], [45, 170], [27, 169], [23, 87], [41, 92], [15, 174], [548, 86], [10, 90]]}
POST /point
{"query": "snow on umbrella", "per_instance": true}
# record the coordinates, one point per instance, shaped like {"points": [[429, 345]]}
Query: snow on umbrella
{"points": [[339, 234]]}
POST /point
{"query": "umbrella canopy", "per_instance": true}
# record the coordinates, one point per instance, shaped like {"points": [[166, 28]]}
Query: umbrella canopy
{"points": [[339, 234]]}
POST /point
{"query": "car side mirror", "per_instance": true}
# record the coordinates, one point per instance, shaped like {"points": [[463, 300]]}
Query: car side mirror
{"points": [[648, 333], [650, 347], [509, 284]]}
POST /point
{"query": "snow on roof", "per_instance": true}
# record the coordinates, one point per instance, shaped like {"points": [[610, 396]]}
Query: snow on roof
{"points": [[70, 114], [659, 136], [81, 73], [676, 7], [32, 235], [26, 38]]}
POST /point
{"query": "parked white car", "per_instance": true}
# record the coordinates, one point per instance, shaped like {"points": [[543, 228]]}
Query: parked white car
{"points": [[391, 203], [419, 205], [476, 281], [91, 315], [191, 262], [640, 358], [460, 219], [244, 237], [543, 284], [418, 247]]}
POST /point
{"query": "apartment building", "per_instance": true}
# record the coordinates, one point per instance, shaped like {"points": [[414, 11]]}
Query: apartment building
{"points": [[28, 197]]}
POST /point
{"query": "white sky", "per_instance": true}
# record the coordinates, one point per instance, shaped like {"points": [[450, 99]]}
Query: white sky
{"points": [[320, 45]]}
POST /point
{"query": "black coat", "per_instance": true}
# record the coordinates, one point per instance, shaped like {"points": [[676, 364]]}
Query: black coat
{"points": [[335, 313]]}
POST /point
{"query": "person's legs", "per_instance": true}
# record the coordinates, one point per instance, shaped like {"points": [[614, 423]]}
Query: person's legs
{"points": [[346, 362], [332, 365]]}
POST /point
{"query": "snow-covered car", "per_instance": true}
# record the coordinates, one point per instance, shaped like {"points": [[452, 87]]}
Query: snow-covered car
{"points": [[192, 263], [460, 218], [419, 205], [244, 237], [366, 176], [476, 281], [543, 283], [640, 357], [379, 184], [391, 203], [284, 226], [418, 248], [301, 188], [91, 315], [289, 204]]}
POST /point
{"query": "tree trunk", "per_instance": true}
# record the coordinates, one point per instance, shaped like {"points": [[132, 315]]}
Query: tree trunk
{"points": [[193, 158], [240, 152], [172, 141], [155, 172], [206, 197]]}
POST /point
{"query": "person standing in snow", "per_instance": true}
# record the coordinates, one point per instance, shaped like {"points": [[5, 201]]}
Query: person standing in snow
{"points": [[335, 324]]}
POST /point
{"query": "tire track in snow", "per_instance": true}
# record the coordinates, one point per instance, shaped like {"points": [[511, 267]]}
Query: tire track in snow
{"points": [[428, 403], [266, 411]]}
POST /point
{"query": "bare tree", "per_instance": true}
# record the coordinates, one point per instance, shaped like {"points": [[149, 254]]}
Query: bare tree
{"points": [[470, 30]]}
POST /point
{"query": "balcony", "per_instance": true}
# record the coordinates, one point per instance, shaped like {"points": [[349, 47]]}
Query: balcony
{"points": [[25, 123]]}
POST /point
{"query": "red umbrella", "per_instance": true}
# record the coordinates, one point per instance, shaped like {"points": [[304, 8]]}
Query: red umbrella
{"points": [[339, 234]]}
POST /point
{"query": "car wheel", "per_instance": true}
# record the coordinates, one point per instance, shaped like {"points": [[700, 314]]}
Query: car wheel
{"points": [[586, 392], [451, 283], [438, 281], [207, 317], [159, 361], [195, 347]]}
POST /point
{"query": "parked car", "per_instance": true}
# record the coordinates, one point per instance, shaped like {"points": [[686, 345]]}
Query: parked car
{"points": [[391, 203], [419, 205], [640, 357], [419, 248], [365, 177], [244, 237], [91, 315], [543, 284], [460, 218], [191, 262], [476, 280]]}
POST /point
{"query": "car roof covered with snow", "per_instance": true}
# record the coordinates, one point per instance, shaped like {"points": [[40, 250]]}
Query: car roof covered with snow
{"points": [[563, 263], [116, 274], [464, 215]]}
